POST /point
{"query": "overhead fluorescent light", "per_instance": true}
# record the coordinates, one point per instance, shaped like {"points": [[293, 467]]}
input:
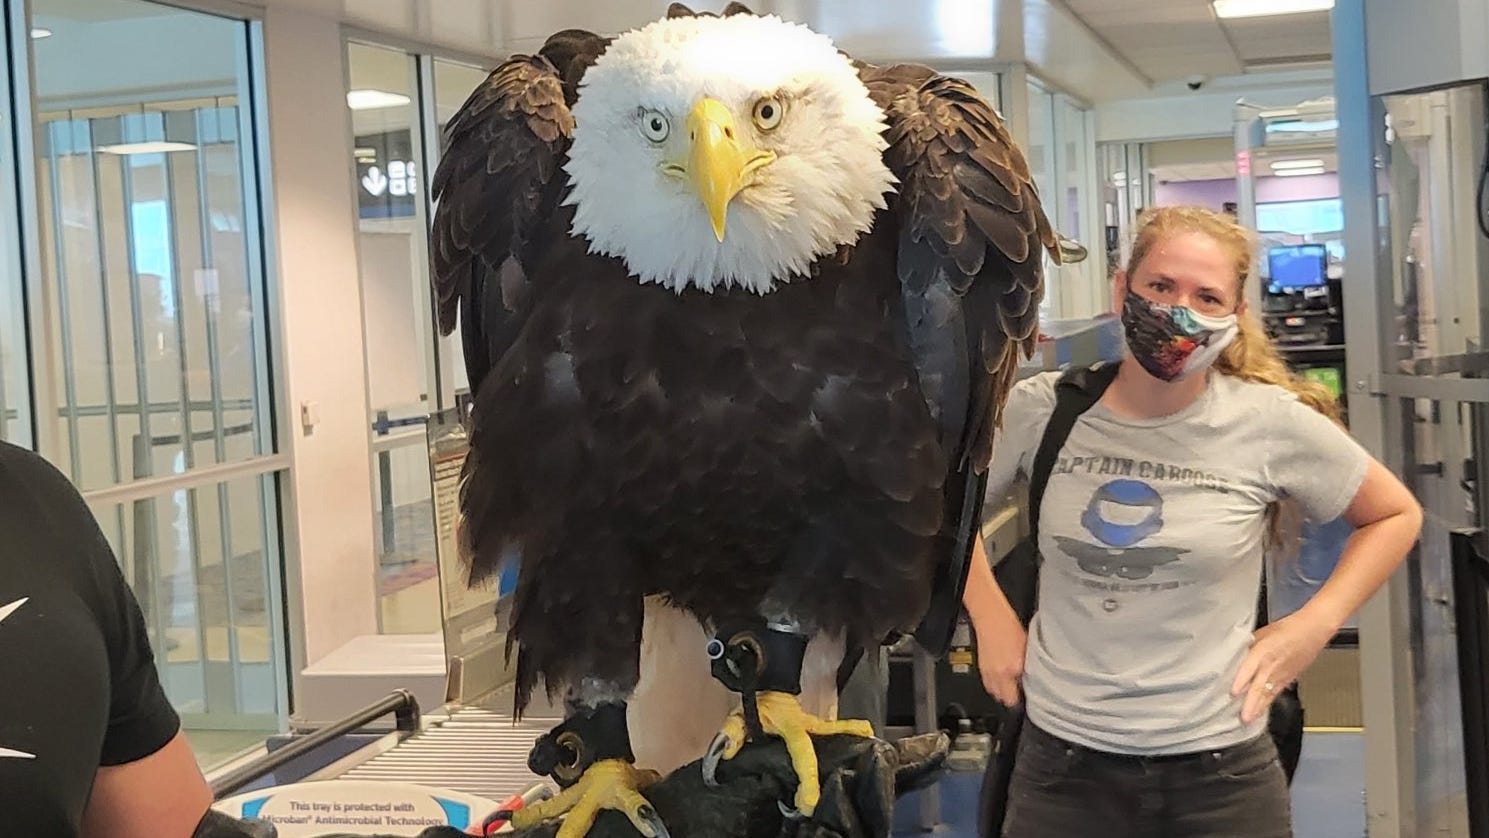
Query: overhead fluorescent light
{"points": [[149, 147], [1314, 163], [1262, 8], [37, 33], [367, 100], [1317, 170], [1301, 126]]}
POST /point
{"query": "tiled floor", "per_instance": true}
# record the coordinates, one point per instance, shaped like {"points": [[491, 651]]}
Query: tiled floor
{"points": [[412, 610], [1329, 789], [408, 585]]}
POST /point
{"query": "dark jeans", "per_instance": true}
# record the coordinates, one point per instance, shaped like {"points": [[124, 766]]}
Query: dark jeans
{"points": [[1063, 790]]}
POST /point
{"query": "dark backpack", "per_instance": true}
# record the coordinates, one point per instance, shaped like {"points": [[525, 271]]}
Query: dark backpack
{"points": [[1018, 575]]}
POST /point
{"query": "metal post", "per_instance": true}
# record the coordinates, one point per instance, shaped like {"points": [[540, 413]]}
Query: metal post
{"points": [[924, 674], [1385, 669], [145, 468], [385, 487], [210, 307], [250, 139], [64, 306], [111, 396], [1014, 87], [1245, 126], [1057, 206], [183, 367], [37, 297], [212, 302], [427, 150], [143, 447], [196, 570], [146, 567], [111, 399], [187, 437], [15, 232]]}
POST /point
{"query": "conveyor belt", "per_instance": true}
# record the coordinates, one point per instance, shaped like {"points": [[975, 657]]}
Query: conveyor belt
{"points": [[470, 749]]}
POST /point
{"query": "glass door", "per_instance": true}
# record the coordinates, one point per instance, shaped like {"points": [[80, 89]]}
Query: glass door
{"points": [[150, 334]]}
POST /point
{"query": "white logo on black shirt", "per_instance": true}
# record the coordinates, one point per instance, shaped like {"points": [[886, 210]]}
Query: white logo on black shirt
{"points": [[6, 611]]}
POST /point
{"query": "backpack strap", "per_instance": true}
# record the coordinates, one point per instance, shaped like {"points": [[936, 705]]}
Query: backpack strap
{"points": [[1263, 608], [1075, 392], [1018, 575]]}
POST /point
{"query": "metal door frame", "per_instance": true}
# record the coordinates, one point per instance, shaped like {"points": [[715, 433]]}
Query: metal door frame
{"points": [[1379, 395]]}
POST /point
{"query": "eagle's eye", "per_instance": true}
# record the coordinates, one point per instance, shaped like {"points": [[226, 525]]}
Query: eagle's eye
{"points": [[768, 113], [654, 125]]}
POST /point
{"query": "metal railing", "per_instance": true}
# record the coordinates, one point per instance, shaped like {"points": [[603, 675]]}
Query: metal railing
{"points": [[383, 445], [402, 704]]}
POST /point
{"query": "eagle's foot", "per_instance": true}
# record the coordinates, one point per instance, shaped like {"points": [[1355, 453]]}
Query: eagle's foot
{"points": [[781, 715], [607, 784]]}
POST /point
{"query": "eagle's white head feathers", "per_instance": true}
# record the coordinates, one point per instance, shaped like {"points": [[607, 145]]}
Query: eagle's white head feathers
{"points": [[724, 151]]}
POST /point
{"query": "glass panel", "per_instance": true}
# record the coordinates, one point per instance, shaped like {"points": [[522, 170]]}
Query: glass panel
{"points": [[400, 347], [156, 335], [1435, 262], [15, 374], [1075, 166], [1041, 155], [1434, 438], [1083, 294], [1433, 152], [201, 561], [145, 244], [1122, 175]]}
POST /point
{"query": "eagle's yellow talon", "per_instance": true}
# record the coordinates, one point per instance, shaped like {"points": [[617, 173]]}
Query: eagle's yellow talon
{"points": [[781, 715], [733, 735], [724, 746], [849, 727], [608, 784]]}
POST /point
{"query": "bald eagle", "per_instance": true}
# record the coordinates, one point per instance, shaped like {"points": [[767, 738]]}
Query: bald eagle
{"points": [[739, 314]]}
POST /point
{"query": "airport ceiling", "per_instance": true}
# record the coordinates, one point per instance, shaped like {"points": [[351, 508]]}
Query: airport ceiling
{"points": [[1158, 40], [1168, 40]]}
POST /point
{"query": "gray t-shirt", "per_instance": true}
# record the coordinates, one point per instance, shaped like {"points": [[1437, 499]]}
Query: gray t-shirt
{"points": [[1152, 533]]}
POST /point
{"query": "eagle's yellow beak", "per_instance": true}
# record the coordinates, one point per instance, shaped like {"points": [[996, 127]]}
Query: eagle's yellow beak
{"points": [[720, 162]]}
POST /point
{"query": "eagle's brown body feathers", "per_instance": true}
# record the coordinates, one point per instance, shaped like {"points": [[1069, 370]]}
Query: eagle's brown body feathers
{"points": [[807, 451]]}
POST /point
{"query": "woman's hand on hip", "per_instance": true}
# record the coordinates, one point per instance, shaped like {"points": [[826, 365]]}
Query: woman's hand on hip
{"points": [[1001, 641], [1280, 651]]}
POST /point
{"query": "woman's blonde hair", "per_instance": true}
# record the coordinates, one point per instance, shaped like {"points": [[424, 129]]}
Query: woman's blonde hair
{"points": [[1251, 356]]}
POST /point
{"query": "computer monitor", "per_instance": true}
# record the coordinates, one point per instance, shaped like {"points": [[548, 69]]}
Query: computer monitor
{"points": [[1297, 266]]}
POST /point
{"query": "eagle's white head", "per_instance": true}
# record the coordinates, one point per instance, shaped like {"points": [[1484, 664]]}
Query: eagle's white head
{"points": [[719, 151]]}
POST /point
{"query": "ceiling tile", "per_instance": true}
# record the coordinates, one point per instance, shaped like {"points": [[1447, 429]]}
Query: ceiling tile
{"points": [[1172, 39]]}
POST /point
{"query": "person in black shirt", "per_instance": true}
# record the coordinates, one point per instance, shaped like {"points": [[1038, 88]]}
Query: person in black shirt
{"points": [[89, 744]]}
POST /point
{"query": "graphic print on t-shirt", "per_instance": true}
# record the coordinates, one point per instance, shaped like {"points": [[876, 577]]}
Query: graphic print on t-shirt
{"points": [[6, 611], [1124, 517], [1121, 515]]}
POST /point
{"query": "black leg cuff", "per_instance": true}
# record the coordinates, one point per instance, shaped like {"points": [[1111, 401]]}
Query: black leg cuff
{"points": [[568, 750], [755, 658]]}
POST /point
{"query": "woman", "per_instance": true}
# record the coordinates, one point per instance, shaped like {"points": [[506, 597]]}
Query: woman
{"points": [[1146, 688]]}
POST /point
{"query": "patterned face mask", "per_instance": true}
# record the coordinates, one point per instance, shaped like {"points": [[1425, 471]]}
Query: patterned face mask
{"points": [[1172, 342]]}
